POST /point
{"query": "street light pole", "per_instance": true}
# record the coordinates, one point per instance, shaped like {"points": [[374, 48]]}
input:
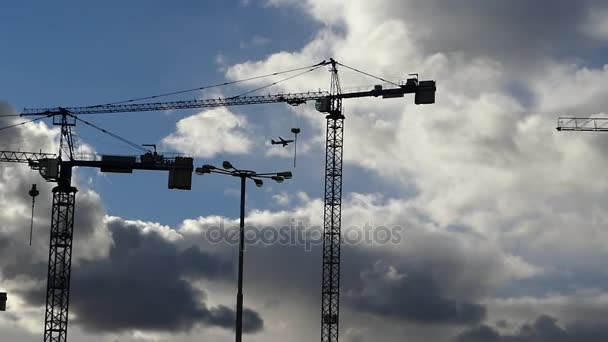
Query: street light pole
{"points": [[239, 295], [230, 170]]}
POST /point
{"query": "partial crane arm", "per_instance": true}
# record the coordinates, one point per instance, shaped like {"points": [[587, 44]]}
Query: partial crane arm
{"points": [[24, 157], [424, 90], [582, 124], [294, 99]]}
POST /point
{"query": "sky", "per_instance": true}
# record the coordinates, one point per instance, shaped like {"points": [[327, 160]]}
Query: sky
{"points": [[469, 220]]}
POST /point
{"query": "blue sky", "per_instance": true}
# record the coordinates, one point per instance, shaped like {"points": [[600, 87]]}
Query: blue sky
{"points": [[504, 218], [86, 53]]}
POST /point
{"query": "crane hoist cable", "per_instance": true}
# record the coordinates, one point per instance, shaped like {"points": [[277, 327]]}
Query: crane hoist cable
{"points": [[277, 82], [368, 74], [116, 136], [208, 86], [22, 123]]}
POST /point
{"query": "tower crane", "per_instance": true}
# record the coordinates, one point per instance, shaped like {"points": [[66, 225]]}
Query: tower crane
{"points": [[57, 168], [582, 124], [329, 103]]}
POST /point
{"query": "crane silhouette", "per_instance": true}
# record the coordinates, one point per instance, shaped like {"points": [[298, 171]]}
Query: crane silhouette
{"points": [[327, 102], [57, 168]]}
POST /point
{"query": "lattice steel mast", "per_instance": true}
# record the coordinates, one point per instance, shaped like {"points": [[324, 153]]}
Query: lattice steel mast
{"points": [[60, 246], [58, 168], [332, 217], [326, 102]]}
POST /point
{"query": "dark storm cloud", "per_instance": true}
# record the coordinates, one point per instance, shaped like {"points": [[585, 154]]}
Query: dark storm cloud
{"points": [[410, 294], [89, 210], [143, 284], [417, 283], [16, 259], [513, 31], [544, 329]]}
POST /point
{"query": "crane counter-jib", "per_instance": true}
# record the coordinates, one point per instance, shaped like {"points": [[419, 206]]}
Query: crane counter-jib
{"points": [[49, 165]]}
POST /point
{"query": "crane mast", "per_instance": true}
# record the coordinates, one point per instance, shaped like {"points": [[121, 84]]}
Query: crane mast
{"points": [[325, 102], [58, 168], [332, 217]]}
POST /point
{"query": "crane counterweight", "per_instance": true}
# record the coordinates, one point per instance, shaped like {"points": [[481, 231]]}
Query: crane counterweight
{"points": [[2, 301]]}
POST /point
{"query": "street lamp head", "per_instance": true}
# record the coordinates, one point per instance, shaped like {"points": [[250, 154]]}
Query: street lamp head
{"points": [[286, 174], [226, 165], [204, 169], [277, 179], [258, 182]]}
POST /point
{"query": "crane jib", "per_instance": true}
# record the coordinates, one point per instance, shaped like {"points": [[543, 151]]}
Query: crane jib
{"points": [[424, 90]]}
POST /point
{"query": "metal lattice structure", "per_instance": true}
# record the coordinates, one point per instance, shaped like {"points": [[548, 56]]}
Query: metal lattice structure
{"points": [[334, 143], [60, 262], [326, 102], [291, 98], [24, 157], [582, 124], [55, 169]]}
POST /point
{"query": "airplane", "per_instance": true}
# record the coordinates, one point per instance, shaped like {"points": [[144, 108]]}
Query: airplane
{"points": [[281, 142]]}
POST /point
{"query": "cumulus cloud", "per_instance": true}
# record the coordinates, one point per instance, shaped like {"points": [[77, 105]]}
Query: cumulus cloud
{"points": [[411, 295], [597, 24], [209, 133], [15, 182], [24, 268], [446, 273], [127, 275], [485, 161], [543, 329], [495, 203], [143, 285], [282, 198], [480, 125], [255, 41], [146, 284]]}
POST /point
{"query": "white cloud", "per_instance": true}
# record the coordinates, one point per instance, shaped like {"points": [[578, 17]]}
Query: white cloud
{"points": [[597, 24], [255, 41], [209, 133], [22, 268], [485, 158], [589, 304], [480, 150], [499, 197], [282, 198]]}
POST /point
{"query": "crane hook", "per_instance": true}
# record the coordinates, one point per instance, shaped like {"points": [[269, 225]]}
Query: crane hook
{"points": [[33, 192], [295, 132]]}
